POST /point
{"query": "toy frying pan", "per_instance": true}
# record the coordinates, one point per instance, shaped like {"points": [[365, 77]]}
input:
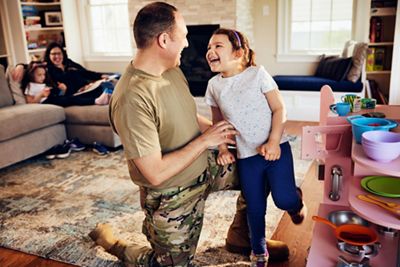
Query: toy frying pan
{"points": [[353, 234]]}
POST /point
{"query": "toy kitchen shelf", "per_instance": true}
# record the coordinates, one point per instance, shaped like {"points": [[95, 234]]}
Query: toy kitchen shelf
{"points": [[324, 250], [332, 143], [391, 168], [365, 166]]}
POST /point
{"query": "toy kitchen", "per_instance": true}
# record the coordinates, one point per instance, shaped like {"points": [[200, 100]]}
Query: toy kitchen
{"points": [[358, 220]]}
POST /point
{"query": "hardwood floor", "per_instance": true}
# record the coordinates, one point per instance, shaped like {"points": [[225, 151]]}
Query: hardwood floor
{"points": [[298, 237], [12, 258]]}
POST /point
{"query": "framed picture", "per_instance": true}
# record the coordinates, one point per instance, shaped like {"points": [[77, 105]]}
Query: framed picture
{"points": [[53, 18]]}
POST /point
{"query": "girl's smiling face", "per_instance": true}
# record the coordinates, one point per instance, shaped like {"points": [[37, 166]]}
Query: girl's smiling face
{"points": [[221, 57]]}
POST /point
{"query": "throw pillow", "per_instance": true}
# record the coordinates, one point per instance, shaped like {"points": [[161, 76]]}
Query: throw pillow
{"points": [[359, 54], [5, 94], [348, 48], [15, 88], [322, 62], [333, 67]]}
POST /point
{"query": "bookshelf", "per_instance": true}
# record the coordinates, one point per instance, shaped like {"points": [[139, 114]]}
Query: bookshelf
{"points": [[4, 55], [381, 45], [36, 23], [43, 24]]}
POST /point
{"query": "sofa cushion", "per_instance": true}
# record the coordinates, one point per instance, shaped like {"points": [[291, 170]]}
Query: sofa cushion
{"points": [[20, 119], [5, 94], [335, 68], [31, 144], [312, 83], [359, 54], [94, 115], [15, 87]]}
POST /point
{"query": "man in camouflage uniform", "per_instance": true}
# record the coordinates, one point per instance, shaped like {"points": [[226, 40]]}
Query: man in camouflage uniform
{"points": [[166, 145]]}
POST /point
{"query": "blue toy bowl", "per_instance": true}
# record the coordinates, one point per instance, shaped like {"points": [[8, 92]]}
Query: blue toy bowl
{"points": [[360, 124]]}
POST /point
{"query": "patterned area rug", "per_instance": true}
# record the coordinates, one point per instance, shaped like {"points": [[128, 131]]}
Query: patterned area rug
{"points": [[47, 208]]}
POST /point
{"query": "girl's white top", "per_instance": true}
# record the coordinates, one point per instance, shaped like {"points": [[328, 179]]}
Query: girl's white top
{"points": [[35, 88], [242, 102]]}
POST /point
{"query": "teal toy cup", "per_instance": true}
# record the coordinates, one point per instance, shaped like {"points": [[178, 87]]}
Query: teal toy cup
{"points": [[341, 108]]}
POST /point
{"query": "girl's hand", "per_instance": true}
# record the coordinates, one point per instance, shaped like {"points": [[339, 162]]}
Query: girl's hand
{"points": [[225, 157], [46, 91], [270, 151]]}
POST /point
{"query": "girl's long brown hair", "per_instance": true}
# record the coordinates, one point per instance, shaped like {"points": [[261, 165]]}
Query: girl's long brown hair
{"points": [[30, 72]]}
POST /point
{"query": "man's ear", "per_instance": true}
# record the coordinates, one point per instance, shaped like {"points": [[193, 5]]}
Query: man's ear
{"points": [[162, 39]]}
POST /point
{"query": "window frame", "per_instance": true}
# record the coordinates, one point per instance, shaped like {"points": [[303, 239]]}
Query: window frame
{"points": [[283, 37], [88, 54]]}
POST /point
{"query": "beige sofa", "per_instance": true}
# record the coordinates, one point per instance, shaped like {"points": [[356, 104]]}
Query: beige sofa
{"points": [[27, 130]]}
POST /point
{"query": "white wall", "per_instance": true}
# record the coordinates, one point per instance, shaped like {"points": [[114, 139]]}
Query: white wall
{"points": [[107, 66], [72, 30], [265, 34], [245, 15], [394, 98]]}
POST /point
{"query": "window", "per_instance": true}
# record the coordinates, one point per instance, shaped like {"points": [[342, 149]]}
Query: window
{"points": [[313, 27], [106, 29]]}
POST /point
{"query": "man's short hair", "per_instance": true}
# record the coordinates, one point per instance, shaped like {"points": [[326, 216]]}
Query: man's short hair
{"points": [[152, 20]]}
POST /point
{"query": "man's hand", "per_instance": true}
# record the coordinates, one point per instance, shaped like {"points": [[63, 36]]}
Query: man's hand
{"points": [[270, 151], [158, 167], [219, 134], [18, 73]]}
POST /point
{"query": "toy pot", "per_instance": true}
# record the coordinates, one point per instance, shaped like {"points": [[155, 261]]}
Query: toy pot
{"points": [[353, 234]]}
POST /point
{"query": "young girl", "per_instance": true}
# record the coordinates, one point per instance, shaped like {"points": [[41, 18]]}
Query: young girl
{"points": [[246, 95], [37, 90], [35, 83]]}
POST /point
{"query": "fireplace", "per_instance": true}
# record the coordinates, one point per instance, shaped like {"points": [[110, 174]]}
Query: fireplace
{"points": [[193, 61]]}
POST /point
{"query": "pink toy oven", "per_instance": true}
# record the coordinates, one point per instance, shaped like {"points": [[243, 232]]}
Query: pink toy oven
{"points": [[342, 164]]}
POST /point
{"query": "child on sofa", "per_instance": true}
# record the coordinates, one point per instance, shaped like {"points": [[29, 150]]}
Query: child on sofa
{"points": [[37, 89], [247, 97], [35, 83]]}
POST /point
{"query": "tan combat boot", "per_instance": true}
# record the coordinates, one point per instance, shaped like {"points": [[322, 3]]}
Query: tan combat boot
{"points": [[102, 235]]}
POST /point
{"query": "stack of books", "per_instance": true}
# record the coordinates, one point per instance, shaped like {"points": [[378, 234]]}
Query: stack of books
{"points": [[375, 58], [375, 30], [32, 22]]}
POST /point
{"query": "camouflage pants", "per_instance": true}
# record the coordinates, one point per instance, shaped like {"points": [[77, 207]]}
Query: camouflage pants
{"points": [[174, 218]]}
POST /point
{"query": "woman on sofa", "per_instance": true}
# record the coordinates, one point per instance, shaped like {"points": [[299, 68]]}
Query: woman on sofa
{"points": [[68, 76], [71, 77], [37, 89]]}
